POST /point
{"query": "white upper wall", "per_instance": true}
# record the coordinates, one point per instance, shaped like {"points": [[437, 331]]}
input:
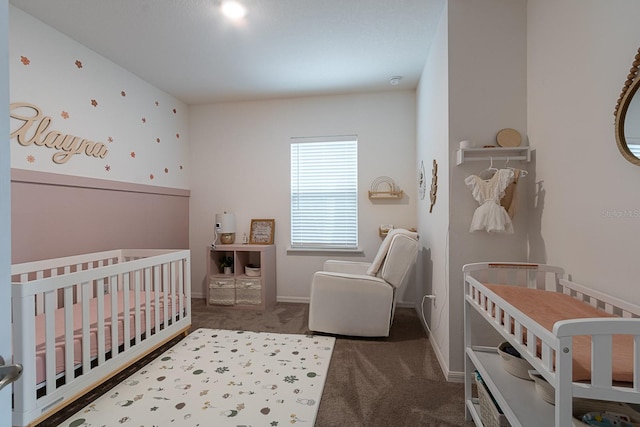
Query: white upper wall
{"points": [[579, 55], [143, 129], [240, 163], [433, 138], [487, 92]]}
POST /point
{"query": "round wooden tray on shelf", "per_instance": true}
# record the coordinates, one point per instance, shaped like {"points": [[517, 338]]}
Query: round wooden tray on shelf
{"points": [[508, 138]]}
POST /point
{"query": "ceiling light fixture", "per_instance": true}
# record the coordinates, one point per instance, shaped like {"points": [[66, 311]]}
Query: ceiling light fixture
{"points": [[233, 10], [395, 80]]}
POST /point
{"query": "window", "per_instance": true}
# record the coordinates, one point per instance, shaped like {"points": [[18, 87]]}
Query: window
{"points": [[324, 196]]}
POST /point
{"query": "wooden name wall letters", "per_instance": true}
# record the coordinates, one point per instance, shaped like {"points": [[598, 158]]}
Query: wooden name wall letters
{"points": [[67, 144]]}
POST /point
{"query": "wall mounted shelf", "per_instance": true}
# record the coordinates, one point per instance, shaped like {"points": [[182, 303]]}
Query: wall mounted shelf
{"points": [[384, 187], [386, 194], [497, 153]]}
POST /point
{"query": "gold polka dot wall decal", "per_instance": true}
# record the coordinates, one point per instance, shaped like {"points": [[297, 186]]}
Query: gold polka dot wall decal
{"points": [[174, 111], [123, 93], [166, 170], [25, 60], [180, 167], [158, 140], [178, 135], [109, 139], [64, 115], [157, 103], [107, 168], [151, 176], [30, 158], [144, 120], [94, 102], [133, 154], [78, 63]]}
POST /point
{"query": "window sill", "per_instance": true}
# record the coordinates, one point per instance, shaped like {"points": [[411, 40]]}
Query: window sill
{"points": [[324, 251]]}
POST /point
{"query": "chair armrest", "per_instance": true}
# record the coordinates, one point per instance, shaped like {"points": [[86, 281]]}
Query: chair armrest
{"points": [[350, 304], [349, 267]]}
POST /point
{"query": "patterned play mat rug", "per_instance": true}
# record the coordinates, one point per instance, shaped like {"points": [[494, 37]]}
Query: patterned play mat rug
{"points": [[218, 378]]}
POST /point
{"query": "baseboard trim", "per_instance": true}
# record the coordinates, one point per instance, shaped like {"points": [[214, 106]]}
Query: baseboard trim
{"points": [[303, 300], [450, 376], [455, 377], [299, 300]]}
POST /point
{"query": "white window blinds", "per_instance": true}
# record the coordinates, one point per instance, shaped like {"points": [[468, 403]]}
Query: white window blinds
{"points": [[324, 196]]}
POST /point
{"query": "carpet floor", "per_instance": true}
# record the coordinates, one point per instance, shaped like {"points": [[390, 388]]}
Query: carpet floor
{"points": [[379, 382], [372, 382]]}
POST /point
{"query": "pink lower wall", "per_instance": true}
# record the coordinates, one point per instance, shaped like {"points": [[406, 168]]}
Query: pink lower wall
{"points": [[56, 215]]}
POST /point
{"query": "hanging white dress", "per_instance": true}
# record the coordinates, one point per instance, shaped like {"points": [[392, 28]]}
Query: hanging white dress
{"points": [[490, 215]]}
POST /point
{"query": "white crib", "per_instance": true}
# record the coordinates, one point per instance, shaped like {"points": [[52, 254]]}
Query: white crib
{"points": [[63, 328]]}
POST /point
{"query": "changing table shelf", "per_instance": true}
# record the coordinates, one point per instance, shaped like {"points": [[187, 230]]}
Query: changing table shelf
{"points": [[517, 397]]}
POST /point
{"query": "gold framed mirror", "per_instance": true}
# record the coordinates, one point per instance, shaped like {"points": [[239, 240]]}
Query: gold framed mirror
{"points": [[627, 113]]}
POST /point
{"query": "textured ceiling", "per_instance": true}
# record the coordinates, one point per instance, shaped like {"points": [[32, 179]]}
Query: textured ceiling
{"points": [[282, 48]]}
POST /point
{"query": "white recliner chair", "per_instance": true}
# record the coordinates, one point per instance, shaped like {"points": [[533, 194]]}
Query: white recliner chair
{"points": [[358, 298]]}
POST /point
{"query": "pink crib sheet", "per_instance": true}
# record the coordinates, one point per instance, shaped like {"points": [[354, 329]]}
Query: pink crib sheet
{"points": [[77, 329]]}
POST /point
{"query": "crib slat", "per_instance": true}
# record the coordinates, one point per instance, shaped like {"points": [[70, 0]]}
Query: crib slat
{"points": [[39, 297], [50, 339], [136, 298], [113, 292], [166, 291], [68, 333], [156, 298], [181, 290], [147, 301], [185, 277], [86, 325], [175, 302], [126, 304], [101, 323]]}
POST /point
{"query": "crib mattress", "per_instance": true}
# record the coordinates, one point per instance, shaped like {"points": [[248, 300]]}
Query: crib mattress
{"points": [[546, 308], [77, 329]]}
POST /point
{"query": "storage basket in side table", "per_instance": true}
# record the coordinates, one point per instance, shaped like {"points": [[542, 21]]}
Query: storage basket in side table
{"points": [[248, 291], [222, 290]]}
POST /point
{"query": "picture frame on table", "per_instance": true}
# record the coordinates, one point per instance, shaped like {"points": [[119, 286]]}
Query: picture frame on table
{"points": [[262, 231]]}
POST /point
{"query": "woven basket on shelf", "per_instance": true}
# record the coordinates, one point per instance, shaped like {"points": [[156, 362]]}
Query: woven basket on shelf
{"points": [[489, 412], [516, 366]]}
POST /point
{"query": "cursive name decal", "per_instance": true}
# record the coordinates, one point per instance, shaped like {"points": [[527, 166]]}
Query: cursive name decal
{"points": [[34, 130]]}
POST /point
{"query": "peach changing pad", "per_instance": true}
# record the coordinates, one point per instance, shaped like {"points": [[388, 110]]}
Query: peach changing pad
{"points": [[77, 329], [546, 308]]}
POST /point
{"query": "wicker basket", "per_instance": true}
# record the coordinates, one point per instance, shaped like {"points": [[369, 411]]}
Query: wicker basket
{"points": [[248, 291], [516, 366], [222, 291], [490, 414]]}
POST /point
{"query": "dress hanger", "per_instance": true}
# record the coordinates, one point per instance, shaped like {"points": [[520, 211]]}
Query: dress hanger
{"points": [[523, 173], [488, 172]]}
